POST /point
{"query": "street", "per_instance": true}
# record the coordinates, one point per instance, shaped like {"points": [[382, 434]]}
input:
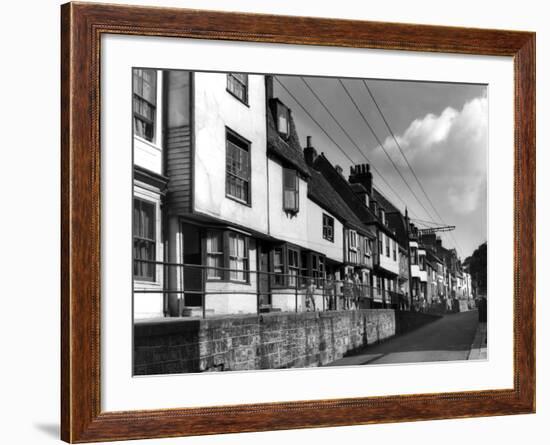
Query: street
{"points": [[448, 338]]}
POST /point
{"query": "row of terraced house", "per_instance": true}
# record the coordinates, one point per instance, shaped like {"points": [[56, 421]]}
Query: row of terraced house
{"points": [[231, 215]]}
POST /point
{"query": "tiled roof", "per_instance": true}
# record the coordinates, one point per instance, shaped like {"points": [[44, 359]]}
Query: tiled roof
{"points": [[343, 188], [320, 191], [383, 201], [288, 150]]}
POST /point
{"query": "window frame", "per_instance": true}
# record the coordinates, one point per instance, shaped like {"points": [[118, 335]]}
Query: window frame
{"points": [[352, 247], [295, 191], [245, 258], [140, 97], [226, 275], [329, 226], [280, 109], [153, 241], [245, 146], [221, 253], [244, 85]]}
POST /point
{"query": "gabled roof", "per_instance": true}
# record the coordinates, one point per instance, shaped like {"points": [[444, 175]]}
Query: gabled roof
{"points": [[320, 191], [394, 217], [384, 202], [288, 150], [344, 189]]}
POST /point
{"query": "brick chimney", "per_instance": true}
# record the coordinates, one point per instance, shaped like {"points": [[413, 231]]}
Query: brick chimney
{"points": [[360, 174], [310, 154]]}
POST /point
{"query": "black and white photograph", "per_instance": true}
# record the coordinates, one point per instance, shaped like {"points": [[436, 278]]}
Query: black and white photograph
{"points": [[288, 221]]}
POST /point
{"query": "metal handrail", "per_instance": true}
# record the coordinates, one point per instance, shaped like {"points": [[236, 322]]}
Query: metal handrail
{"points": [[350, 292]]}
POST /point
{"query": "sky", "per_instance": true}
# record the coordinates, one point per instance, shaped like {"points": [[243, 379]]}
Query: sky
{"points": [[440, 127]]}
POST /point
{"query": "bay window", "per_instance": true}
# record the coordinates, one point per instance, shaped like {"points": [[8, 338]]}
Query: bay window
{"points": [[290, 190]]}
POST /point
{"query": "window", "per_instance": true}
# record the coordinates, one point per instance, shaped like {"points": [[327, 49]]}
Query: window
{"points": [[293, 267], [414, 257], [394, 250], [237, 177], [388, 242], [380, 244], [214, 255], [238, 256], [328, 227], [227, 250], [317, 271], [290, 190], [352, 243], [145, 100], [367, 200], [283, 120], [237, 85], [144, 240], [278, 267], [367, 250], [383, 216]]}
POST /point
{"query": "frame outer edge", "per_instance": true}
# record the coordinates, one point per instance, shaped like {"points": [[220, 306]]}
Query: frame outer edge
{"points": [[82, 420], [66, 90], [525, 170]]}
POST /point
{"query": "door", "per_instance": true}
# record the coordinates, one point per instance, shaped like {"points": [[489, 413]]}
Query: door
{"points": [[264, 289], [193, 275]]}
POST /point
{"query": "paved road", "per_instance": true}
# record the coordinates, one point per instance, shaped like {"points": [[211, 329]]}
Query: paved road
{"points": [[448, 338]]}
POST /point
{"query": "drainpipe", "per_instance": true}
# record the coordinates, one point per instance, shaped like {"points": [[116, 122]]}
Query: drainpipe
{"points": [[409, 254]]}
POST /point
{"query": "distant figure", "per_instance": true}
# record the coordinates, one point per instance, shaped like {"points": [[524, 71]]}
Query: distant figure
{"points": [[347, 291], [330, 292], [356, 290], [310, 292]]}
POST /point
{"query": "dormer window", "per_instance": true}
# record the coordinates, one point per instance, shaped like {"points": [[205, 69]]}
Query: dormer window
{"points": [[283, 120], [383, 216], [237, 85]]}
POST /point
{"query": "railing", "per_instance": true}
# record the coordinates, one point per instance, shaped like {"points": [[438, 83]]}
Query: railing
{"points": [[196, 289]]}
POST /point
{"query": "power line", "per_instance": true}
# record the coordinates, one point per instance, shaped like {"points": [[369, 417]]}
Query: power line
{"points": [[405, 157], [383, 148], [332, 139]]}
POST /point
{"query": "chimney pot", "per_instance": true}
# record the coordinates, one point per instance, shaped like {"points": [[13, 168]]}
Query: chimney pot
{"points": [[308, 141]]}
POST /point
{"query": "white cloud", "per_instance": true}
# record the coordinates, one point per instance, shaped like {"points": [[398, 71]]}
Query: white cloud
{"points": [[448, 153]]}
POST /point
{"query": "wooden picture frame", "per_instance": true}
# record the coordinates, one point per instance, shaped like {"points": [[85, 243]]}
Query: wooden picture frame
{"points": [[82, 26]]}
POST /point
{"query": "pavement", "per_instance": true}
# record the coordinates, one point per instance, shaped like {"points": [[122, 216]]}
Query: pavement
{"points": [[452, 337], [478, 350]]}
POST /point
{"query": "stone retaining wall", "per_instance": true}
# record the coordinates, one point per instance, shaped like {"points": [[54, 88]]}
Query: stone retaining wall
{"points": [[267, 341]]}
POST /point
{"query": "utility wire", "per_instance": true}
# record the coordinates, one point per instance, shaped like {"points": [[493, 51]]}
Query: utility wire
{"points": [[405, 157], [369, 126], [332, 139]]}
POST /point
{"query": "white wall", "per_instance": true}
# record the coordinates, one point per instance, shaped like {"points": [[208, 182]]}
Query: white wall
{"points": [[215, 108], [36, 351], [286, 226], [333, 250], [387, 262]]}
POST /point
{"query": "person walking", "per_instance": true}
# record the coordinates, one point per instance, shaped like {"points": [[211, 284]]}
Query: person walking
{"points": [[310, 292]]}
